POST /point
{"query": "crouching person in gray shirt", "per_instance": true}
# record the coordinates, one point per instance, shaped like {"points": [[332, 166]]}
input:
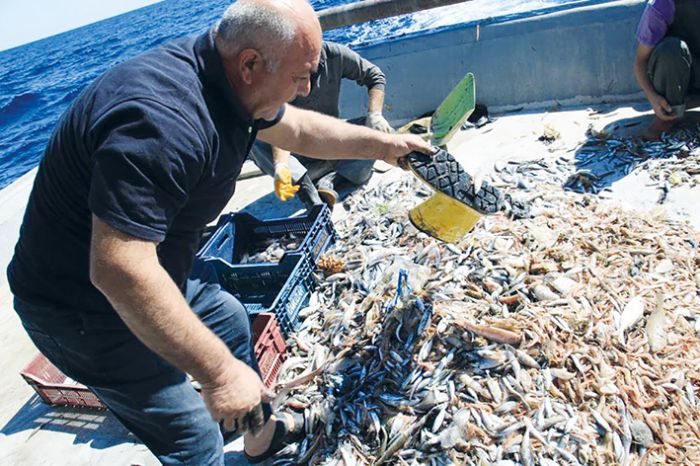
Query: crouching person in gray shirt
{"points": [[314, 180]]}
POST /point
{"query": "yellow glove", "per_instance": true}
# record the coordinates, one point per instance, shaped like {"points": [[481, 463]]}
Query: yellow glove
{"points": [[284, 189]]}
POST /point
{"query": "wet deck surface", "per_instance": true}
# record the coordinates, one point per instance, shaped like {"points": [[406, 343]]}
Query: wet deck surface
{"points": [[580, 138]]}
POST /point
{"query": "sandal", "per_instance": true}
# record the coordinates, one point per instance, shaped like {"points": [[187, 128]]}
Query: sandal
{"points": [[283, 436]]}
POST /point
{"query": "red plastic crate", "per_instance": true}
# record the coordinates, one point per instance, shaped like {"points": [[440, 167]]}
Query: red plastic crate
{"points": [[269, 347], [54, 387]]}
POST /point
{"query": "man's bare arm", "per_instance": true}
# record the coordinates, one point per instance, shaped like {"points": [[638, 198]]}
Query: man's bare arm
{"points": [[641, 61], [661, 107], [320, 136], [279, 156], [375, 100], [127, 271]]}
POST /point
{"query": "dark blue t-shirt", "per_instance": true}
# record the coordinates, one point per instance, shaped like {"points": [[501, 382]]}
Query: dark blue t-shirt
{"points": [[153, 148]]}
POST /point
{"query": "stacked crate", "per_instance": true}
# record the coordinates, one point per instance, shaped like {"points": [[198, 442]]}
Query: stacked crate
{"points": [[272, 292], [282, 288]]}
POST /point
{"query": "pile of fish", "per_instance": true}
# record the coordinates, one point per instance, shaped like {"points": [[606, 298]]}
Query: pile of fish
{"points": [[566, 337], [271, 249], [602, 159]]}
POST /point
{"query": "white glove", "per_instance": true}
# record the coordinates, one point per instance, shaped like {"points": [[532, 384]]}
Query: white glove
{"points": [[375, 120]]}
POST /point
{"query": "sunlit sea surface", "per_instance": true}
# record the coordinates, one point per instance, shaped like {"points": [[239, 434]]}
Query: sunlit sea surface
{"points": [[39, 80]]}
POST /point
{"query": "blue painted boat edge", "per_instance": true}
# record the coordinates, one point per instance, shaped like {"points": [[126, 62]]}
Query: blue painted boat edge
{"points": [[482, 22], [582, 54]]}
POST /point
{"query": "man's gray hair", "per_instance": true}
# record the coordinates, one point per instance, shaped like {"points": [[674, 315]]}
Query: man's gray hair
{"points": [[249, 25]]}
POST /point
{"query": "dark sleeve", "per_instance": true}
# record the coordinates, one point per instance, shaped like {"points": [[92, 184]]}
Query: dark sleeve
{"points": [[355, 67], [146, 160], [653, 25]]}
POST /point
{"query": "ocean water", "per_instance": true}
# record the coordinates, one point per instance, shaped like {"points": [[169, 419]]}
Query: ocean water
{"points": [[38, 81]]}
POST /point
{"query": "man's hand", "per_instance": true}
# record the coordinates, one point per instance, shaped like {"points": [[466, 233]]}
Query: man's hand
{"points": [[235, 398], [284, 189], [403, 144], [376, 120], [323, 137], [662, 109]]}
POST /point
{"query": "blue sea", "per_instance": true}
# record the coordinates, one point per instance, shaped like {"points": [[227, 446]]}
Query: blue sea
{"points": [[38, 81]]}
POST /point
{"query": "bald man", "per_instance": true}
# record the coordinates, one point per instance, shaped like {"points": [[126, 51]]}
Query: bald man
{"points": [[104, 276]]}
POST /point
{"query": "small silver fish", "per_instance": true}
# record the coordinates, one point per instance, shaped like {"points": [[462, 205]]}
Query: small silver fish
{"points": [[641, 433], [633, 312], [655, 326]]}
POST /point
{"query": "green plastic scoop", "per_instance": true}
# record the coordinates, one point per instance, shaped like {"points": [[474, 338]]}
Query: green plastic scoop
{"points": [[453, 111]]}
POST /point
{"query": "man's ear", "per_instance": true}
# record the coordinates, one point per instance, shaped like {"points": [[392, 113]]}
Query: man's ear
{"points": [[250, 63]]}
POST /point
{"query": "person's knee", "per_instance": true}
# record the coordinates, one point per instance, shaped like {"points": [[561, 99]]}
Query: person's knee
{"points": [[356, 172], [239, 315], [200, 443], [168, 416], [362, 177], [238, 334], [670, 53]]}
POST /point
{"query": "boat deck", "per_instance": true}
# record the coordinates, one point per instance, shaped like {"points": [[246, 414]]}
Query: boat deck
{"points": [[34, 433]]}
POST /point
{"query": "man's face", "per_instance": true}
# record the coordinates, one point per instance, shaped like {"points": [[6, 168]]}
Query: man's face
{"points": [[291, 79]]}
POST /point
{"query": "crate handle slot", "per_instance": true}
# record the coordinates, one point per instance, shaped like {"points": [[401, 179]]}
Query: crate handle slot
{"points": [[224, 238]]}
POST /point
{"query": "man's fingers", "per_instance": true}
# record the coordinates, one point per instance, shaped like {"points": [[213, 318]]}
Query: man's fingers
{"points": [[666, 116], [231, 424], [256, 420], [244, 423], [664, 110], [418, 144], [253, 421]]}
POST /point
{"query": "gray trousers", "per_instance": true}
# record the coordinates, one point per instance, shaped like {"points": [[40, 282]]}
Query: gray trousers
{"points": [[355, 171], [674, 72]]}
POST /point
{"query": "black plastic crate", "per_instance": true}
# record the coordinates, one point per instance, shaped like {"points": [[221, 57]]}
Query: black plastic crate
{"points": [[240, 233], [282, 288]]}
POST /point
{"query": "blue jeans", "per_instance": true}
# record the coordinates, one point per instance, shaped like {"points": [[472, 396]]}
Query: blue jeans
{"points": [[152, 398], [355, 171]]}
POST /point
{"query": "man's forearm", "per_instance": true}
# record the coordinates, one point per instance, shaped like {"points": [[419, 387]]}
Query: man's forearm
{"points": [[156, 312], [279, 156], [152, 306], [341, 140], [640, 72], [643, 81], [375, 100]]}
